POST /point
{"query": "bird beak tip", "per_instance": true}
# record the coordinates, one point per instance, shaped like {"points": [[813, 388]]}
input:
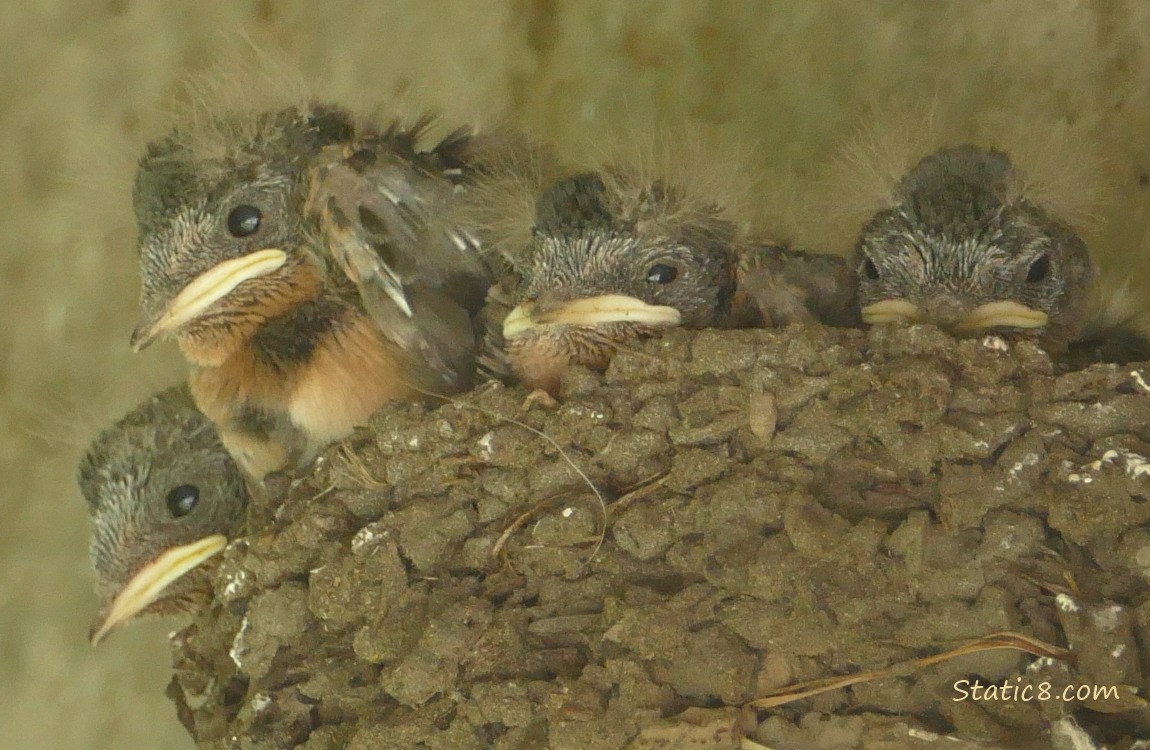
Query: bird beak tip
{"points": [[103, 625], [147, 585], [97, 632], [142, 337]]}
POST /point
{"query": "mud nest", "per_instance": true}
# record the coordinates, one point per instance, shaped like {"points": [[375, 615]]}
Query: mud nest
{"points": [[777, 506]]}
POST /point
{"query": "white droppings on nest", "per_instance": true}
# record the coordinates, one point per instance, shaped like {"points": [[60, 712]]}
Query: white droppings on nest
{"points": [[568, 512], [1118, 650], [580, 411], [486, 451], [365, 537], [237, 648], [1136, 466], [260, 701], [1133, 464], [1042, 662], [995, 344], [1066, 603], [1030, 459], [234, 581], [1106, 619], [1140, 381], [445, 429], [1076, 737], [413, 442]]}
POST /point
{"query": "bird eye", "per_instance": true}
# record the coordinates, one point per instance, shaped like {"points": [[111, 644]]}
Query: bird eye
{"points": [[182, 500], [1039, 269], [870, 270], [244, 221], [661, 273]]}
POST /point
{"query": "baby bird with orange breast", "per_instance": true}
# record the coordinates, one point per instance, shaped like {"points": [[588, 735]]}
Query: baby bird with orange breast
{"points": [[300, 259]]}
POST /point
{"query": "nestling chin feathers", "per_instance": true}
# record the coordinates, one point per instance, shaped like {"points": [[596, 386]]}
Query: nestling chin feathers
{"points": [[163, 496], [620, 252], [299, 259]]}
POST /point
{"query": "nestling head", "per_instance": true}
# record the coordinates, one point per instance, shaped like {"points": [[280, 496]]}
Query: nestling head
{"points": [[221, 233], [163, 496], [613, 258], [962, 246]]}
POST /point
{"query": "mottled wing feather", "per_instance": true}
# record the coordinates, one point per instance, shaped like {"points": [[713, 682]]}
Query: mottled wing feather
{"points": [[419, 278], [777, 286], [492, 362]]}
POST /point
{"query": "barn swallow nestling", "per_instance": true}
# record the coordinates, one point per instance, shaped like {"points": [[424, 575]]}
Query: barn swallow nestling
{"points": [[164, 496], [299, 259], [613, 257], [961, 245]]}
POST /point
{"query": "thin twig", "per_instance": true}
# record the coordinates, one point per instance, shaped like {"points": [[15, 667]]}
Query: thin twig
{"points": [[1018, 641]]}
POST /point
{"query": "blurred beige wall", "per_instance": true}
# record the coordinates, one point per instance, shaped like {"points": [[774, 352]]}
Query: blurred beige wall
{"points": [[84, 83]]}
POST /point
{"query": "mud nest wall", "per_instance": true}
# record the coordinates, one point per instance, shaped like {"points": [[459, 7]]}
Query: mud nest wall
{"points": [[779, 506]]}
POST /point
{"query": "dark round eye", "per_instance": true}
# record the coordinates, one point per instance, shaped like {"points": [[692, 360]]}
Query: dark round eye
{"points": [[182, 500], [661, 273], [870, 270], [1039, 269], [244, 221]]}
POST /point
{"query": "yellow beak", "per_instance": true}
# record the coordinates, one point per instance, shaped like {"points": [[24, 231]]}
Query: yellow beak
{"points": [[890, 311], [991, 315], [205, 290], [590, 311], [147, 585], [1002, 314]]}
